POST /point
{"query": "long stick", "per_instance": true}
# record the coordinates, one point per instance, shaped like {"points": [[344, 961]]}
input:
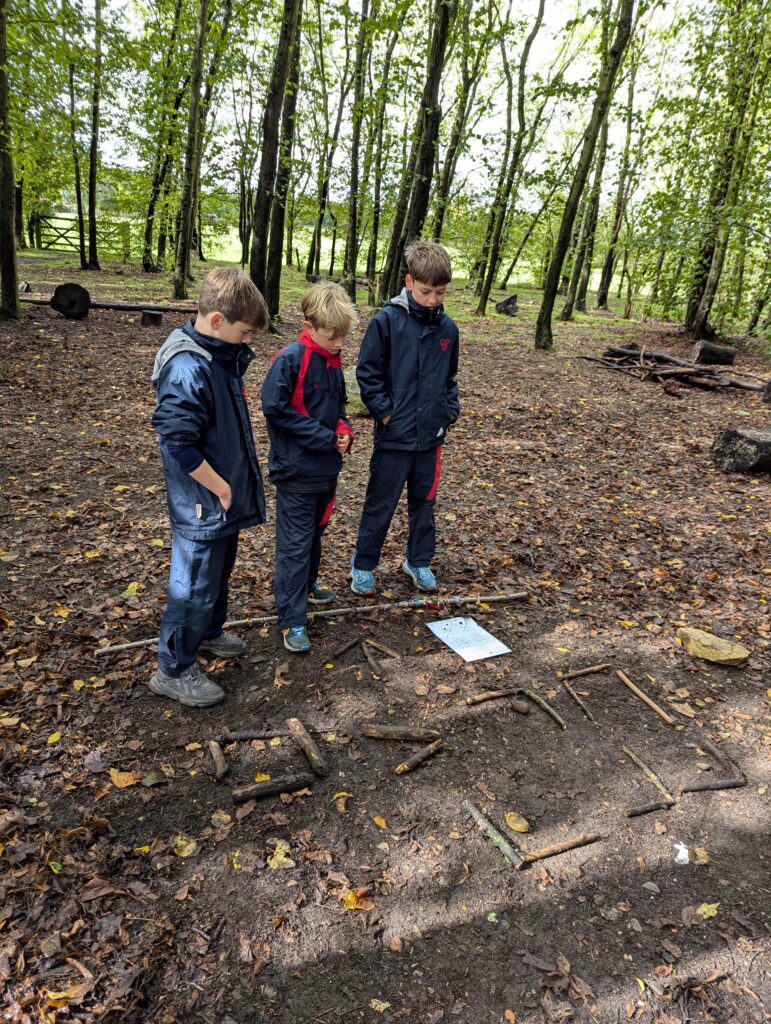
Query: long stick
{"points": [[651, 776], [584, 671], [344, 647], [578, 701], [267, 734], [303, 741], [657, 805], [375, 731], [419, 757], [488, 829], [283, 784], [714, 784], [569, 844], [546, 707], [327, 613], [516, 705], [382, 647], [720, 756], [644, 697], [374, 665]]}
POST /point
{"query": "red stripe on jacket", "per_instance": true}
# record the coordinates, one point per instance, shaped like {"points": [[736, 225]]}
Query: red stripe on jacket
{"points": [[437, 474]]}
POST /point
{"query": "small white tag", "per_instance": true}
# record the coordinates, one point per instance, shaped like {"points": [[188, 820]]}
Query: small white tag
{"points": [[198, 511]]}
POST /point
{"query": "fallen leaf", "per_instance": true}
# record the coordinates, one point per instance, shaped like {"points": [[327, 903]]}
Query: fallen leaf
{"points": [[220, 818], [182, 845], [516, 822], [280, 858], [281, 678], [510, 1016], [53, 738], [707, 910], [378, 1005], [131, 590], [700, 855], [122, 780], [354, 899], [192, 746], [684, 709], [261, 777], [395, 943], [380, 822]]}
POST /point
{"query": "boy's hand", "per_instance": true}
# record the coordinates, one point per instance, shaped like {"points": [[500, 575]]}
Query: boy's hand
{"points": [[343, 443], [226, 497], [386, 420]]}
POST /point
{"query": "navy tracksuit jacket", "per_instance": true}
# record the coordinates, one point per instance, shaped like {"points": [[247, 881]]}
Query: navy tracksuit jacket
{"points": [[303, 399], [201, 410], [407, 369]]}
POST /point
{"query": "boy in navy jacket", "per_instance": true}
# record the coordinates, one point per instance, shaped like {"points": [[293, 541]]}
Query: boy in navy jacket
{"points": [[213, 482], [407, 371], [303, 398]]}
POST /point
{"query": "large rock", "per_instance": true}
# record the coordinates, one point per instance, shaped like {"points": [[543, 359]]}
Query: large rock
{"points": [[712, 648], [355, 406], [737, 451]]}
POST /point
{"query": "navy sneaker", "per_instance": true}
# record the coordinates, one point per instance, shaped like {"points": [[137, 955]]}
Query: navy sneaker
{"points": [[296, 639], [362, 581], [320, 595], [421, 576]]}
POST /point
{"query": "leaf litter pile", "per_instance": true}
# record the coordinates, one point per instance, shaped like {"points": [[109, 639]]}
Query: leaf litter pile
{"points": [[134, 887]]}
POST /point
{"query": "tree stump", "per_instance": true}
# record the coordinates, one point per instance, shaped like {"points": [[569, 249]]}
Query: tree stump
{"points": [[742, 451], [508, 306], [71, 300], [151, 319], [715, 355]]}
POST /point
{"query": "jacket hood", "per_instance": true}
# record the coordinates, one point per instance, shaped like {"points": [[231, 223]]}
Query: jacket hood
{"points": [[406, 302], [178, 341]]}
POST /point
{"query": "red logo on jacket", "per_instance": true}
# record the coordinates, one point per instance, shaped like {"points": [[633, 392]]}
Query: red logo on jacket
{"points": [[445, 344]]}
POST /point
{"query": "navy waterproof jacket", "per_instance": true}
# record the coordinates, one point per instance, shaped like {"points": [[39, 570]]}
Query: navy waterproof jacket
{"points": [[303, 399], [407, 369], [200, 403]]}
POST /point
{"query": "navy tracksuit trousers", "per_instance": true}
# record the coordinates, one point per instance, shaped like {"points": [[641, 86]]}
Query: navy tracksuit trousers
{"points": [[301, 519], [197, 603], [389, 470]]}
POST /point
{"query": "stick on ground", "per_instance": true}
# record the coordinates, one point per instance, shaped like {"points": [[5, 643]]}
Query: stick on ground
{"points": [[584, 671], [585, 839], [378, 731], [657, 805], [282, 784], [375, 667], [220, 764], [546, 707], [572, 693], [644, 697], [382, 647], [487, 828], [714, 784], [419, 757], [304, 743], [345, 647], [651, 776], [516, 705]]}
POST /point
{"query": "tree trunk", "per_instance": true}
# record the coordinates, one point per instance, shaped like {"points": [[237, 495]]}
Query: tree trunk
{"points": [[611, 61], [18, 217], [352, 239], [416, 187], [274, 101], [93, 152], [278, 208], [579, 290], [762, 298], [187, 201], [76, 163], [333, 218], [9, 282], [164, 158]]}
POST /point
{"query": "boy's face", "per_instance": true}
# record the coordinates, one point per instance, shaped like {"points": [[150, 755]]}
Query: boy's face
{"points": [[325, 338], [428, 295], [218, 326]]}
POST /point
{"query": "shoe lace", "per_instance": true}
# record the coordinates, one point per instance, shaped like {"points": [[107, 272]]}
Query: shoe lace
{"points": [[424, 574]]}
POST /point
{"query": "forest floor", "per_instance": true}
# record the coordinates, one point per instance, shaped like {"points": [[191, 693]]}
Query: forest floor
{"points": [[132, 887]]}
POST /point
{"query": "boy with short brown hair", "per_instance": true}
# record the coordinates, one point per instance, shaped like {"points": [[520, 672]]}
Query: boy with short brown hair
{"points": [[407, 369], [303, 399], [213, 480]]}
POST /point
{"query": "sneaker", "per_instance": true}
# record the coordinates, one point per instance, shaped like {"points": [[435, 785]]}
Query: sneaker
{"points": [[422, 577], [296, 639], [224, 646], [193, 688], [320, 595], [362, 581]]}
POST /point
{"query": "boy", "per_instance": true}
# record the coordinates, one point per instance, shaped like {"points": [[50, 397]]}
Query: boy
{"points": [[213, 481], [303, 399], [407, 374]]}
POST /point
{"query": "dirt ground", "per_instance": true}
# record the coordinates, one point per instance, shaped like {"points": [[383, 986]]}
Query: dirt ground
{"points": [[133, 888]]}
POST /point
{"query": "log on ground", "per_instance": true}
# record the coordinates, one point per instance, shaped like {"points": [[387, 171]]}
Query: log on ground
{"points": [[742, 451], [715, 355]]}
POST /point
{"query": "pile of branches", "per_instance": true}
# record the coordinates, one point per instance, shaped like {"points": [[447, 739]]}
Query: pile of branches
{"points": [[671, 371]]}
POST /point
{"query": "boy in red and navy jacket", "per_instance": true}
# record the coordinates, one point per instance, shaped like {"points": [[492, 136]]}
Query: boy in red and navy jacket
{"points": [[303, 399]]}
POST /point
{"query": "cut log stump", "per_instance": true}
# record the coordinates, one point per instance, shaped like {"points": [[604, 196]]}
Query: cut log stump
{"points": [[743, 451], [507, 306], [150, 318], [714, 355], [71, 300]]}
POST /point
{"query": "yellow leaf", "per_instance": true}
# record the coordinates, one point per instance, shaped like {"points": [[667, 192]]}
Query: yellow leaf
{"points": [[60, 612], [131, 590], [121, 488], [183, 845], [54, 738], [378, 1005], [564, 650], [38, 621], [26, 662], [9, 721], [124, 779], [93, 553], [510, 1016], [626, 623], [78, 684], [141, 849], [192, 746], [380, 822], [157, 542], [708, 910], [700, 855], [261, 777], [330, 737], [220, 819], [329, 665], [276, 741], [353, 900], [280, 857], [641, 983], [516, 822]]}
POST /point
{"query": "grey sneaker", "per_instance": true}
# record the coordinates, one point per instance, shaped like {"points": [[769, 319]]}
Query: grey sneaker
{"points": [[224, 646], [296, 639], [193, 688]]}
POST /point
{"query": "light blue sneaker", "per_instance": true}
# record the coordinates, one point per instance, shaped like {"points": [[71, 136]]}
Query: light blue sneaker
{"points": [[421, 576], [296, 639], [362, 581]]}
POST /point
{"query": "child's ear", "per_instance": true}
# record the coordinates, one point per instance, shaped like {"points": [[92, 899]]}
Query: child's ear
{"points": [[215, 319]]}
